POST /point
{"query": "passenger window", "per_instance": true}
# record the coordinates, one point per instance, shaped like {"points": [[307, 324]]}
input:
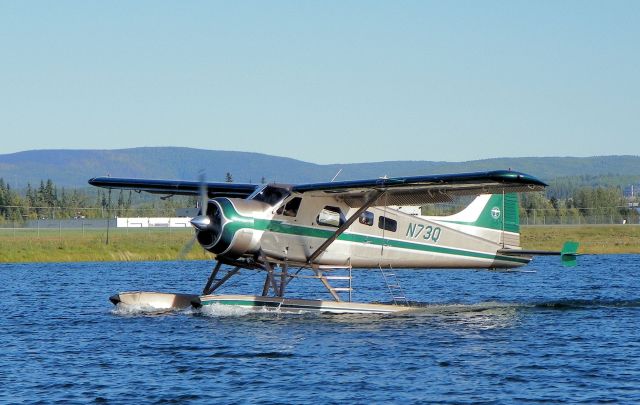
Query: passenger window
{"points": [[387, 224], [331, 216], [366, 218], [290, 209]]}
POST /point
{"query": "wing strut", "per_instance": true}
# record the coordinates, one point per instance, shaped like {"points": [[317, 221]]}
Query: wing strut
{"points": [[376, 194]]}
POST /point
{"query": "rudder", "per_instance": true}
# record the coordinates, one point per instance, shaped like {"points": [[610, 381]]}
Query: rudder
{"points": [[501, 212]]}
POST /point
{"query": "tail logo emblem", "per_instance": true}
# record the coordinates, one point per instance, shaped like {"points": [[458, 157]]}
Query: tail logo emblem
{"points": [[495, 212]]}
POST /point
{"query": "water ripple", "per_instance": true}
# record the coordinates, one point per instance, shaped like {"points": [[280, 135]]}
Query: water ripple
{"points": [[552, 336]]}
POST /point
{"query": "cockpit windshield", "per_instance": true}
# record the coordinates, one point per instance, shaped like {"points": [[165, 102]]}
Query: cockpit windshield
{"points": [[270, 195]]}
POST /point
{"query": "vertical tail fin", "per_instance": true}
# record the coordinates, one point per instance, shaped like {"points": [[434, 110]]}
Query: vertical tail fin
{"points": [[492, 211], [491, 216]]}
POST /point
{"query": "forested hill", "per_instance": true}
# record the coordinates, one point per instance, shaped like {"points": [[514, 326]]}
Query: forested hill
{"points": [[72, 168]]}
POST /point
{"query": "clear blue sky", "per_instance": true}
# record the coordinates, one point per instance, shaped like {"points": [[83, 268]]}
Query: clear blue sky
{"points": [[322, 81]]}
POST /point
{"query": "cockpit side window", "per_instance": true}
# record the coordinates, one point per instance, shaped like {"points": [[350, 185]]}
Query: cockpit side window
{"points": [[290, 209], [331, 216], [366, 218], [271, 195]]}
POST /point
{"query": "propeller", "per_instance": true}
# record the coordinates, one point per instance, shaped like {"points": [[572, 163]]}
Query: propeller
{"points": [[204, 197], [201, 221]]}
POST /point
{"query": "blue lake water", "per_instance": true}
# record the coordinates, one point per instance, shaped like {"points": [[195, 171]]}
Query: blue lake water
{"points": [[556, 335]]}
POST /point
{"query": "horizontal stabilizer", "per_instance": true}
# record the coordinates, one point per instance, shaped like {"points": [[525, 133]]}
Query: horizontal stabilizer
{"points": [[568, 253]]}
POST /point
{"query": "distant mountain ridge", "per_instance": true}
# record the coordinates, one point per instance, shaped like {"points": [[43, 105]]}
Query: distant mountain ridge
{"points": [[72, 168]]}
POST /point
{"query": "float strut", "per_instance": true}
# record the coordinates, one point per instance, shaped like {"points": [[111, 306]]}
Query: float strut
{"points": [[223, 280], [283, 280], [211, 279]]}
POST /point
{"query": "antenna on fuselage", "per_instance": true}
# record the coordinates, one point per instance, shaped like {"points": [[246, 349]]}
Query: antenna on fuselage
{"points": [[334, 177], [384, 223]]}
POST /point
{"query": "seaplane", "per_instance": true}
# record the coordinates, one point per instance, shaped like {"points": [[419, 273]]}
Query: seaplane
{"points": [[318, 230]]}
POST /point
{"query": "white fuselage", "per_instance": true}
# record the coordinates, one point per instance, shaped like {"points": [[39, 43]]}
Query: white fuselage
{"points": [[409, 241]]}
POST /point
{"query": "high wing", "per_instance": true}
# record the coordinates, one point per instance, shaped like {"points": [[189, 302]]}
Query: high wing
{"points": [[176, 187], [415, 190], [419, 190]]}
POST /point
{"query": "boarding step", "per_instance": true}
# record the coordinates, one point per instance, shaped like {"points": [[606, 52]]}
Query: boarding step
{"points": [[325, 274], [393, 285]]}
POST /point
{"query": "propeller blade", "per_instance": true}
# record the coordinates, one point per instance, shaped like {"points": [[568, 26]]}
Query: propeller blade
{"points": [[201, 221], [186, 248], [204, 197]]}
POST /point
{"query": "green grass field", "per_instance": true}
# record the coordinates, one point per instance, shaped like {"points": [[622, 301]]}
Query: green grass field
{"points": [[31, 245], [594, 239]]}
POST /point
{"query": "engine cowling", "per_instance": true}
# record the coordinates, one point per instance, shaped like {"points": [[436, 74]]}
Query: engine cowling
{"points": [[231, 227]]}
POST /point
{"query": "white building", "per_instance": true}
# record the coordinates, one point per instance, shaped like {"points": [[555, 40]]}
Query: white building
{"points": [[181, 222]]}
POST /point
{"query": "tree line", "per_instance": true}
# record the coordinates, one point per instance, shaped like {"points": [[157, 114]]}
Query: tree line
{"points": [[47, 201], [582, 205], [566, 204]]}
